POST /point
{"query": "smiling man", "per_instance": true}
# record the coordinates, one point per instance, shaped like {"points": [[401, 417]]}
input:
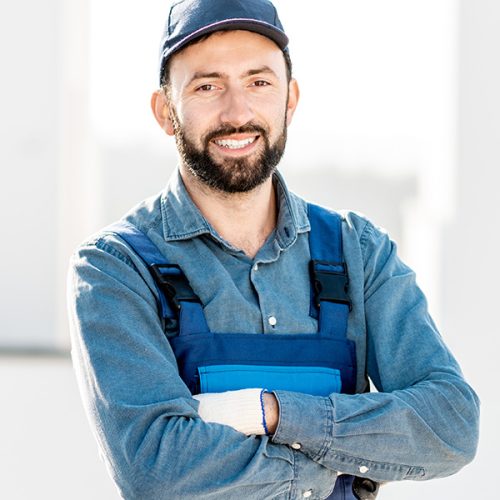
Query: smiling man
{"points": [[224, 332], [230, 124]]}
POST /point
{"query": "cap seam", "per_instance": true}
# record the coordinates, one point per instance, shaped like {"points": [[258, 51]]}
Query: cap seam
{"points": [[170, 18]]}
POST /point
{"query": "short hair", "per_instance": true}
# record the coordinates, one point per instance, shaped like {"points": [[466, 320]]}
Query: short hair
{"points": [[165, 76]]}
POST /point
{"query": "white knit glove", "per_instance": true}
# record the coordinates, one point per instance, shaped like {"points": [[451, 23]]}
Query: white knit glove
{"points": [[242, 410]]}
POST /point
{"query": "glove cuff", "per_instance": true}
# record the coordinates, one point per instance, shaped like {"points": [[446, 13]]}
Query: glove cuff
{"points": [[243, 410]]}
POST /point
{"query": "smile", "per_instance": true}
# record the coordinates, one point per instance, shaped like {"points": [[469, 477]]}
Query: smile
{"points": [[234, 144]]}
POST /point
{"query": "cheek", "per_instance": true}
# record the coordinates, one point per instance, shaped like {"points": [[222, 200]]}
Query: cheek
{"points": [[186, 122], [194, 119], [277, 119]]}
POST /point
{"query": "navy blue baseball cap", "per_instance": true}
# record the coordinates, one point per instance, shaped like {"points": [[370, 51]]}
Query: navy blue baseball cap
{"points": [[191, 19]]}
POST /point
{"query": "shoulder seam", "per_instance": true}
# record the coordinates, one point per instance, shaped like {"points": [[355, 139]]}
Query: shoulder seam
{"points": [[103, 245]]}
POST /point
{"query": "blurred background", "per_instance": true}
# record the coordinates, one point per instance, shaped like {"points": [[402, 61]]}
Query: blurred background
{"points": [[399, 118]]}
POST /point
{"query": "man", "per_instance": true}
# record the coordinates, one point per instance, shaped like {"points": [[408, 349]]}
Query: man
{"points": [[208, 365]]}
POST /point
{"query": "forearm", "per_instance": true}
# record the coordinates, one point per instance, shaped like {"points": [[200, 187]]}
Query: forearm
{"points": [[162, 455], [384, 436], [387, 437]]}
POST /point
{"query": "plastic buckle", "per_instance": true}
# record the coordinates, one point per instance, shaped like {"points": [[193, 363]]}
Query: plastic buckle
{"points": [[364, 488], [330, 284], [173, 283]]}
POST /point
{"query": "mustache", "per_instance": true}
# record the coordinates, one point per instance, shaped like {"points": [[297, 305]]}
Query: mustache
{"points": [[223, 130]]}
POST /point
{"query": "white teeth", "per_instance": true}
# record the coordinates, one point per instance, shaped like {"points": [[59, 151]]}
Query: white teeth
{"points": [[232, 144]]}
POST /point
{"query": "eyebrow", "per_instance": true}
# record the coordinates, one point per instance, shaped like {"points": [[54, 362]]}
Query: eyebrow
{"points": [[200, 75], [262, 69]]}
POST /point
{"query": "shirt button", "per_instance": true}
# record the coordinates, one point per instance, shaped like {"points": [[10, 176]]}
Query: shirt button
{"points": [[307, 493], [256, 267], [272, 320], [296, 446], [363, 469]]}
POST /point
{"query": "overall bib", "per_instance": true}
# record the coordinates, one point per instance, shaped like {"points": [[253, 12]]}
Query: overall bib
{"points": [[317, 364]]}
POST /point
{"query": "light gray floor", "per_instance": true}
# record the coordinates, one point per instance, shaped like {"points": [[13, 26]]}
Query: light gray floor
{"points": [[47, 450]]}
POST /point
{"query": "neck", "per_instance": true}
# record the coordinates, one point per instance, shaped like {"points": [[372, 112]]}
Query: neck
{"points": [[245, 220]]}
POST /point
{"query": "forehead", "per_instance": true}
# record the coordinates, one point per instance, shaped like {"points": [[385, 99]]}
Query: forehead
{"points": [[236, 50]]}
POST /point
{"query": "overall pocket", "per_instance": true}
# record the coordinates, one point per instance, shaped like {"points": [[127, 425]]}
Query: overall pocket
{"points": [[314, 380]]}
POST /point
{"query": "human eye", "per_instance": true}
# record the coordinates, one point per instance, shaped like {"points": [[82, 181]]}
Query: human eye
{"points": [[206, 87], [260, 83]]}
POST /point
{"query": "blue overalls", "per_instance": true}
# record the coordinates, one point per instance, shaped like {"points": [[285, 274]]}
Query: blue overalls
{"points": [[316, 364]]}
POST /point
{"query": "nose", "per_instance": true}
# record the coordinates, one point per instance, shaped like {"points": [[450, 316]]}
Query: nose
{"points": [[236, 110]]}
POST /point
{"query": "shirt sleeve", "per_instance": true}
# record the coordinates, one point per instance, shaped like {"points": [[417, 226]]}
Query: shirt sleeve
{"points": [[423, 421], [142, 414]]}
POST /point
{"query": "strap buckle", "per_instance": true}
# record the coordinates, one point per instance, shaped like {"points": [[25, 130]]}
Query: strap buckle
{"points": [[173, 283], [331, 282], [364, 488]]}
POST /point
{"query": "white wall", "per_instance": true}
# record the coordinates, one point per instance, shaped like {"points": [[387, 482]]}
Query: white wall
{"points": [[470, 252], [29, 126]]}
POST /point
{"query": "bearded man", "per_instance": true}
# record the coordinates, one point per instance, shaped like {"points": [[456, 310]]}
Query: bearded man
{"points": [[224, 332]]}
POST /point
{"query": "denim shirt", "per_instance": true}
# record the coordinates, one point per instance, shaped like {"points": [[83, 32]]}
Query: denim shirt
{"points": [[422, 423]]}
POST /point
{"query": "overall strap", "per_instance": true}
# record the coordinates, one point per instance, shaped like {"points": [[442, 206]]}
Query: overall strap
{"points": [[328, 272], [178, 305]]}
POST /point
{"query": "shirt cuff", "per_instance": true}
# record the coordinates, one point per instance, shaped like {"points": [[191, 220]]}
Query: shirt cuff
{"points": [[305, 422]]}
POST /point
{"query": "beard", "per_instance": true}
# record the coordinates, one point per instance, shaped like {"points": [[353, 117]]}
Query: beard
{"points": [[230, 175]]}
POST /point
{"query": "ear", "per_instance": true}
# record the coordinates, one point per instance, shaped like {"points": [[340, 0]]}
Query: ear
{"points": [[161, 110], [293, 99]]}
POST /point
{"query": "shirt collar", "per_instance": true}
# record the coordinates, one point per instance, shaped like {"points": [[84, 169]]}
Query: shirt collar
{"points": [[182, 219]]}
